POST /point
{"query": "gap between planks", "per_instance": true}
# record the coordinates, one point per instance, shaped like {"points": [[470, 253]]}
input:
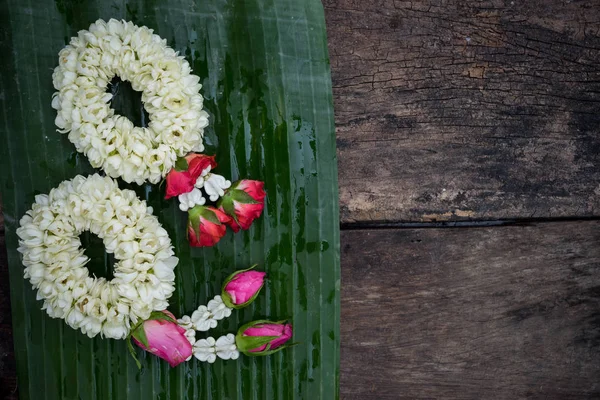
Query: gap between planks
{"points": [[376, 225]]}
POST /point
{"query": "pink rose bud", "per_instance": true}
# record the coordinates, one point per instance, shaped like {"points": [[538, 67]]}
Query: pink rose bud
{"points": [[206, 225], [242, 287], [261, 338], [183, 176], [163, 337], [243, 202]]}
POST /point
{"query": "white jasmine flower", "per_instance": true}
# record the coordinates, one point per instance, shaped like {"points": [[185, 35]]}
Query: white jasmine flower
{"points": [[214, 186], [115, 330], [190, 334], [218, 309], [225, 347], [202, 319], [164, 271], [191, 199], [204, 350], [185, 322], [75, 318]]}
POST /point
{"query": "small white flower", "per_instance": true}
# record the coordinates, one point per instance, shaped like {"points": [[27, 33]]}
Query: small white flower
{"points": [[185, 322], [190, 335], [200, 180], [164, 271], [218, 309], [214, 186], [74, 318], [225, 347], [202, 319], [115, 330], [204, 350], [191, 199]]}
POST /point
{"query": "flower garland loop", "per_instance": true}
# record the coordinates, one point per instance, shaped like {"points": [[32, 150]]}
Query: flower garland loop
{"points": [[170, 93], [55, 263]]}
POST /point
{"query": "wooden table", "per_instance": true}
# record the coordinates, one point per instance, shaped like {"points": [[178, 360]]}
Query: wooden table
{"points": [[469, 171], [468, 145]]}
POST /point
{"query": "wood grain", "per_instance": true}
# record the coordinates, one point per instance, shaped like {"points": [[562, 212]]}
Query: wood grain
{"points": [[474, 313], [466, 110]]}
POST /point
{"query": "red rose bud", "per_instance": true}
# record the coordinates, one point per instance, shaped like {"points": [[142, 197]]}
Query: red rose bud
{"points": [[242, 287], [206, 225], [244, 202], [261, 338], [163, 337], [182, 178]]}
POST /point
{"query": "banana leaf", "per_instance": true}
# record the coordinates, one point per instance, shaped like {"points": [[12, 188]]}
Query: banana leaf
{"points": [[265, 71]]}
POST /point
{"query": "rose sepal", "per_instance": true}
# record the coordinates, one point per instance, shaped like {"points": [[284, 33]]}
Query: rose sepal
{"points": [[181, 164]]}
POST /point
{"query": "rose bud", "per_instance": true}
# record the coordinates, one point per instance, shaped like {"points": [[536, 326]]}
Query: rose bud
{"points": [[261, 338], [206, 225], [242, 287], [243, 202], [183, 176], [163, 337]]}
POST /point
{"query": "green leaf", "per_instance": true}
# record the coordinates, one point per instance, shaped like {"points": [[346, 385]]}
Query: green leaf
{"points": [[265, 74], [181, 164]]}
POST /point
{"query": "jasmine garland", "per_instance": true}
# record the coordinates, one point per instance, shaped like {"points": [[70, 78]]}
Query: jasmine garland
{"points": [[170, 93], [55, 262]]}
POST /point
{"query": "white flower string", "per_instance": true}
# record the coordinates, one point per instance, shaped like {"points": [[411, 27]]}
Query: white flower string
{"points": [[55, 263], [213, 184], [170, 93], [206, 317], [203, 319], [207, 350]]}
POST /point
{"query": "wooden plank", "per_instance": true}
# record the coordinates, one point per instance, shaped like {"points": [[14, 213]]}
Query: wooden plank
{"points": [[459, 110], [474, 313]]}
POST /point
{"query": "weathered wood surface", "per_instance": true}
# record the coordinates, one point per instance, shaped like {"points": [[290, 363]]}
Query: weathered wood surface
{"points": [[453, 109], [474, 313]]}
